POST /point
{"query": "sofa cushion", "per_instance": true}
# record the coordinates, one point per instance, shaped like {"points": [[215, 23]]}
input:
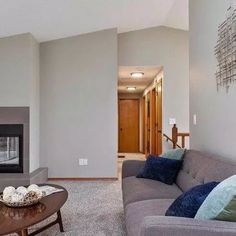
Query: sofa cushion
{"points": [[199, 168], [188, 203], [220, 204], [135, 189], [135, 213], [174, 154], [161, 169]]}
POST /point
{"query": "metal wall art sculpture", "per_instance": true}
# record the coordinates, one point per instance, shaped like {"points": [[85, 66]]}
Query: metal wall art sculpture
{"points": [[225, 50]]}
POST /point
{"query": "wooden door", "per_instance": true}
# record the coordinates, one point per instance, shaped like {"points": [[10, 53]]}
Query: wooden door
{"points": [[129, 125], [159, 118], [153, 121]]}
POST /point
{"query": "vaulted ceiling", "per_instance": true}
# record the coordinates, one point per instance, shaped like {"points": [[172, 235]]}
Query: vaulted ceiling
{"points": [[53, 19]]}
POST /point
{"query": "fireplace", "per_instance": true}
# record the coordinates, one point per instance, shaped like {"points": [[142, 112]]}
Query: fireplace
{"points": [[11, 148]]}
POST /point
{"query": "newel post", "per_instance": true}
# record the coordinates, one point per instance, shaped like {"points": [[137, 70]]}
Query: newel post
{"points": [[174, 136]]}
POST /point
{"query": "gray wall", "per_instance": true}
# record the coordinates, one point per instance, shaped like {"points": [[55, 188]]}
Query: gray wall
{"points": [[15, 69], [78, 91], [167, 47], [19, 66], [216, 123], [34, 105]]}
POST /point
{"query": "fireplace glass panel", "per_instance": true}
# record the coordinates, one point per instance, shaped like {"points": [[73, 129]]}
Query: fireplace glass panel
{"points": [[9, 151]]}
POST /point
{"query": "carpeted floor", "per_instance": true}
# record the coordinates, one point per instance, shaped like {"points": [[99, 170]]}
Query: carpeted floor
{"points": [[92, 208]]}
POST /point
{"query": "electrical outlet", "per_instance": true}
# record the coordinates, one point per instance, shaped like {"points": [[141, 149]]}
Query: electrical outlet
{"points": [[83, 162]]}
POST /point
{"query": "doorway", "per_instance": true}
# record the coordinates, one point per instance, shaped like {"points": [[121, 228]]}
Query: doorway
{"points": [[138, 112], [128, 125]]}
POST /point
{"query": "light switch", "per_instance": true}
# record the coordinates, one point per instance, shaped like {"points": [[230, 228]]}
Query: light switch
{"points": [[194, 119], [172, 121]]}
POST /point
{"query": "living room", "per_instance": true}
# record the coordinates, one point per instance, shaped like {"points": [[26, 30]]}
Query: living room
{"points": [[59, 63]]}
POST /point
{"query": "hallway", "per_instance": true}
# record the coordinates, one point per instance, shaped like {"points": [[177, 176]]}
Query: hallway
{"points": [[128, 156]]}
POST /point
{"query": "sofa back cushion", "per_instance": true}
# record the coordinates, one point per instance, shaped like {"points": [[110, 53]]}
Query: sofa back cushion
{"points": [[161, 169], [200, 168]]}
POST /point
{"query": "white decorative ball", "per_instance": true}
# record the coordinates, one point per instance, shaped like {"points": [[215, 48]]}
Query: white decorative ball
{"points": [[9, 190], [17, 197], [38, 192], [33, 187], [22, 190], [7, 197]]}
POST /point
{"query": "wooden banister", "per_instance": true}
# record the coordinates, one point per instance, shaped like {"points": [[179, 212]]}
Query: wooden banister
{"points": [[175, 135], [169, 139], [183, 135]]}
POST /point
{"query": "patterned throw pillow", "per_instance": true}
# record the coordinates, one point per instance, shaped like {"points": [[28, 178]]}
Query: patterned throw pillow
{"points": [[160, 168], [220, 204], [188, 203], [175, 154]]}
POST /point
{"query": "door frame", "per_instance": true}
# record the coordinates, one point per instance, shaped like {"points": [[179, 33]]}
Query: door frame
{"points": [[137, 99], [153, 136], [147, 123], [143, 102], [159, 93], [154, 124]]}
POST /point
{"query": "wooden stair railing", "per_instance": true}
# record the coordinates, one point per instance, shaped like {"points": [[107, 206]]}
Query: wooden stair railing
{"points": [[175, 135], [183, 135], [169, 139]]}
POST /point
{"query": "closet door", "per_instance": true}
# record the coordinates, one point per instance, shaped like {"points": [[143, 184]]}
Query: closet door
{"points": [[129, 125]]}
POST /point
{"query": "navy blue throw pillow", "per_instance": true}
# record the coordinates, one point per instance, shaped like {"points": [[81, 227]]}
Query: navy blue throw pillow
{"points": [[160, 168], [188, 203]]}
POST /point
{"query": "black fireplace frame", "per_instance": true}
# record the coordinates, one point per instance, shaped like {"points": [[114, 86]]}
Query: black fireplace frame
{"points": [[13, 130]]}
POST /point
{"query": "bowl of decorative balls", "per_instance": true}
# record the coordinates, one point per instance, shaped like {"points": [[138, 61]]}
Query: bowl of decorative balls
{"points": [[21, 196]]}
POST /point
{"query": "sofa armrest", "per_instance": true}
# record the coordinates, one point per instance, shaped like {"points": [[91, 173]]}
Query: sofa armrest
{"points": [[131, 167], [179, 226]]}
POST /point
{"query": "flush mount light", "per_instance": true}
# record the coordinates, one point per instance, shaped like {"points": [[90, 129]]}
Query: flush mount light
{"points": [[137, 75], [131, 88]]}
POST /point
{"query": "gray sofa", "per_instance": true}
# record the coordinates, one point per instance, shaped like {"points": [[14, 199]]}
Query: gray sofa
{"points": [[146, 201]]}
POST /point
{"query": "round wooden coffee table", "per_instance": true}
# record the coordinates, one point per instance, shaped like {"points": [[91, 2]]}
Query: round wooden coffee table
{"points": [[18, 220]]}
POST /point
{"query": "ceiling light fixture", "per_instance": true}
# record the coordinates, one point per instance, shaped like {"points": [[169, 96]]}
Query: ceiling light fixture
{"points": [[131, 88], [137, 75]]}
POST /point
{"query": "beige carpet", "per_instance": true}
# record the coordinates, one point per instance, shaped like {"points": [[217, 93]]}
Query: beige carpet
{"points": [[93, 208]]}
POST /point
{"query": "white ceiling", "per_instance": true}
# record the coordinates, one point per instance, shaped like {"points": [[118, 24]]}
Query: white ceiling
{"points": [[125, 80], [53, 19]]}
